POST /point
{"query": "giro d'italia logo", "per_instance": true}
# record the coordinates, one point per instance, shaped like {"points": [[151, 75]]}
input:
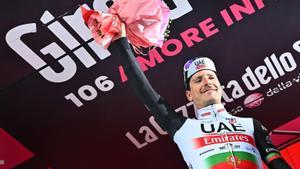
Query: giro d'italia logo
{"points": [[254, 100]]}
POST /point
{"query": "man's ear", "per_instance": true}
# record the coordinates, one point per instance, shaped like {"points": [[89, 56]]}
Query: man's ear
{"points": [[188, 95]]}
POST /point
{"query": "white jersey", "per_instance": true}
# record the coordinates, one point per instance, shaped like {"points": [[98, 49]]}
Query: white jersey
{"points": [[218, 140]]}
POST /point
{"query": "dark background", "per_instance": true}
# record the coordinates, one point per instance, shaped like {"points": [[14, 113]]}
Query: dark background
{"points": [[61, 135]]}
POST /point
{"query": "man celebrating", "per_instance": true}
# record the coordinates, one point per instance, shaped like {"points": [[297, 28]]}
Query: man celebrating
{"points": [[215, 139]]}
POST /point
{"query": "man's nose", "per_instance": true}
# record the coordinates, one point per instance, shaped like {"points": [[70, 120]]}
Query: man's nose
{"points": [[207, 81]]}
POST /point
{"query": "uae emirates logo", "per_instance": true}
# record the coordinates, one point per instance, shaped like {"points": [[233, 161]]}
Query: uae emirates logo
{"points": [[200, 67], [200, 64]]}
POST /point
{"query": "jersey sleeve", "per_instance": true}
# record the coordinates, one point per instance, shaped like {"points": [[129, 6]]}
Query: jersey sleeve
{"points": [[166, 117], [269, 153]]}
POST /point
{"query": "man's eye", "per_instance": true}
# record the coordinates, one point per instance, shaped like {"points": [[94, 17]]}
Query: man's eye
{"points": [[211, 77], [198, 80]]}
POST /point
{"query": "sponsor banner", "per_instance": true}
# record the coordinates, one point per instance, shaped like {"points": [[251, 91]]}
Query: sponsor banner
{"points": [[67, 99]]}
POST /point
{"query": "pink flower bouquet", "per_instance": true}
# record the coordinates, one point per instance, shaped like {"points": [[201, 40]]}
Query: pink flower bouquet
{"points": [[145, 22]]}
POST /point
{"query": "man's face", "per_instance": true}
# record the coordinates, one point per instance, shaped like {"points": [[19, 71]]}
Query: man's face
{"points": [[205, 89]]}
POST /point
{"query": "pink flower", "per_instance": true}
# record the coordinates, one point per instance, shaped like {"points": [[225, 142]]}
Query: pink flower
{"points": [[145, 22], [104, 27]]}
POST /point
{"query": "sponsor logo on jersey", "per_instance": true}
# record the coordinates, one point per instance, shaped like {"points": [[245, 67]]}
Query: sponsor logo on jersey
{"points": [[268, 139], [221, 127], [271, 150], [206, 151], [251, 149], [231, 120], [219, 139], [234, 147]]}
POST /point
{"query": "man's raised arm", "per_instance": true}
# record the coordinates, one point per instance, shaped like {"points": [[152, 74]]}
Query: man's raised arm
{"points": [[166, 117]]}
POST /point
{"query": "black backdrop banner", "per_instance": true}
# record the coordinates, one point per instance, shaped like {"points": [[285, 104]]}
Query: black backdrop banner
{"points": [[65, 102]]}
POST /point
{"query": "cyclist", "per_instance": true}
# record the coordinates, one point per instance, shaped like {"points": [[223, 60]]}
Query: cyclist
{"points": [[215, 139]]}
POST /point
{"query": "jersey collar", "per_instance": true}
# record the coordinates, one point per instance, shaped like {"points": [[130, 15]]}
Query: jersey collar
{"points": [[210, 111]]}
